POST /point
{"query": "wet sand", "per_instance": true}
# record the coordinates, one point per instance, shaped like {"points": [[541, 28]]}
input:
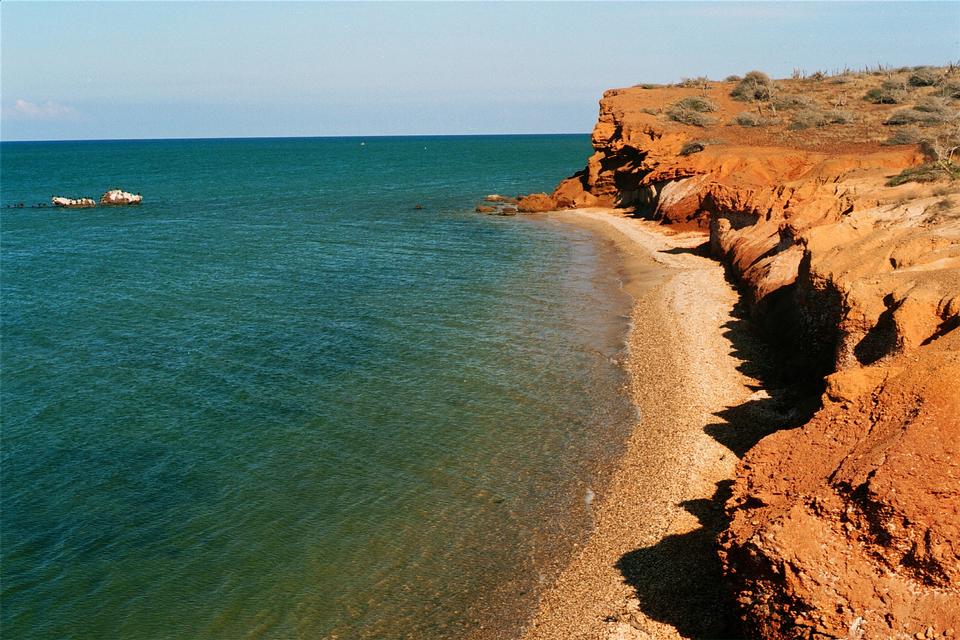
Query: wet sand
{"points": [[648, 569]]}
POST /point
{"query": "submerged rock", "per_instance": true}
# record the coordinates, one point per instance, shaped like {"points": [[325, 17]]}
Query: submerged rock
{"points": [[117, 197], [72, 203], [484, 209]]}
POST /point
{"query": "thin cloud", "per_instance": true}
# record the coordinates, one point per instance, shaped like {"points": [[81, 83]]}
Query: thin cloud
{"points": [[49, 110]]}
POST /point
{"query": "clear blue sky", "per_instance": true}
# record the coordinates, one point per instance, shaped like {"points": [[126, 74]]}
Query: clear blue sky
{"points": [[186, 69]]}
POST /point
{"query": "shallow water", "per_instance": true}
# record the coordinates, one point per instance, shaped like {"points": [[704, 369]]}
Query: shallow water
{"points": [[276, 401]]}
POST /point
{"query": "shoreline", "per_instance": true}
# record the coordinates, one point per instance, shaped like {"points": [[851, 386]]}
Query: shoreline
{"points": [[647, 569]]}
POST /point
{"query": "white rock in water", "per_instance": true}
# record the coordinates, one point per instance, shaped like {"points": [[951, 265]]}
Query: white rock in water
{"points": [[73, 203], [119, 197]]}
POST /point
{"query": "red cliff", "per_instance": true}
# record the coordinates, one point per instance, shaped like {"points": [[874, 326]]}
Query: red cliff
{"points": [[847, 526]]}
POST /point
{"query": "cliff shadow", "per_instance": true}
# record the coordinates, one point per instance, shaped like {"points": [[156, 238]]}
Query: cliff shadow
{"points": [[679, 580], [702, 250], [785, 395]]}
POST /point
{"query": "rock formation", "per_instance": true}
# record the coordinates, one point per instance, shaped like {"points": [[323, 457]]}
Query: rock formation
{"points": [[536, 203], [849, 526], [117, 197], [73, 203]]}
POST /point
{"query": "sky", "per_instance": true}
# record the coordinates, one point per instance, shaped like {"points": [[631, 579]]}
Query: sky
{"points": [[102, 70]]}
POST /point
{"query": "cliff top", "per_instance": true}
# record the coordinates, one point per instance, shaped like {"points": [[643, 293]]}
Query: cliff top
{"points": [[849, 112]]}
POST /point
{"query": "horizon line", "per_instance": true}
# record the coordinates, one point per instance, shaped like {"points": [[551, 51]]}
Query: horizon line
{"points": [[307, 137]]}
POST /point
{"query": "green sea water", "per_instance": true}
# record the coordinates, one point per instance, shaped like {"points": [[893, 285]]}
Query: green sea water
{"points": [[278, 401]]}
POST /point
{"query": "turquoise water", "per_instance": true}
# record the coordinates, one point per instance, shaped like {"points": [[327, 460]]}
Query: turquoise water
{"points": [[276, 401]]}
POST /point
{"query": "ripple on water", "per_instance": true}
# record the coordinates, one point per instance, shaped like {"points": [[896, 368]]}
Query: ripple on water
{"points": [[296, 407]]}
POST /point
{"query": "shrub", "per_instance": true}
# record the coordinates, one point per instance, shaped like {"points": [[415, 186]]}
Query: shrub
{"points": [[756, 85], [791, 101], [839, 116], [933, 104], [694, 146], [905, 135], [929, 172], [924, 77], [807, 118], [930, 110], [733, 78], [697, 103], [688, 116], [950, 89], [691, 110], [700, 82], [904, 116], [818, 76], [890, 92], [751, 119]]}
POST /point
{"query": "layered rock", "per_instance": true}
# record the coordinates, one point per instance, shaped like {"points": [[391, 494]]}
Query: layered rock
{"points": [[847, 526]]}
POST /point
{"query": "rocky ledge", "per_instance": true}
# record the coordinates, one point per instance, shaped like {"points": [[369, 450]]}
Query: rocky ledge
{"points": [[834, 205]]}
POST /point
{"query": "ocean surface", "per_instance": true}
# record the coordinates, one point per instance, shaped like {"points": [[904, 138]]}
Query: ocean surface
{"points": [[278, 401]]}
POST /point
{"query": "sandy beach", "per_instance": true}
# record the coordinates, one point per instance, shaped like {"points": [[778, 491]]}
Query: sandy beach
{"points": [[648, 569]]}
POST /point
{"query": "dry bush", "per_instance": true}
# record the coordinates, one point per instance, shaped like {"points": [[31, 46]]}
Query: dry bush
{"points": [[927, 172], [701, 82], [808, 118], [696, 103], [933, 104], [890, 91], [793, 101], [950, 89], [905, 135], [924, 77], [692, 110], [733, 78], [694, 146], [751, 119], [839, 116], [928, 111], [756, 85]]}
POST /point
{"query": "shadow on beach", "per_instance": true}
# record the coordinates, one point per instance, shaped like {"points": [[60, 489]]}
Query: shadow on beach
{"points": [[679, 581]]}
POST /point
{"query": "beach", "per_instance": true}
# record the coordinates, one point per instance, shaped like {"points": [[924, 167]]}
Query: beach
{"points": [[649, 569]]}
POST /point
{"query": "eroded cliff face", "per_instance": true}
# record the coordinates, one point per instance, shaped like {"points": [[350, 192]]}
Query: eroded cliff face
{"points": [[849, 525]]}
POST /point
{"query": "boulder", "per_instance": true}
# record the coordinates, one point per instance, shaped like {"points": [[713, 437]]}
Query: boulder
{"points": [[485, 209], [118, 197], [536, 203], [496, 197], [72, 203]]}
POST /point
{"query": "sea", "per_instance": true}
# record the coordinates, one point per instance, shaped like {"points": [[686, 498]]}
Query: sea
{"points": [[303, 391]]}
